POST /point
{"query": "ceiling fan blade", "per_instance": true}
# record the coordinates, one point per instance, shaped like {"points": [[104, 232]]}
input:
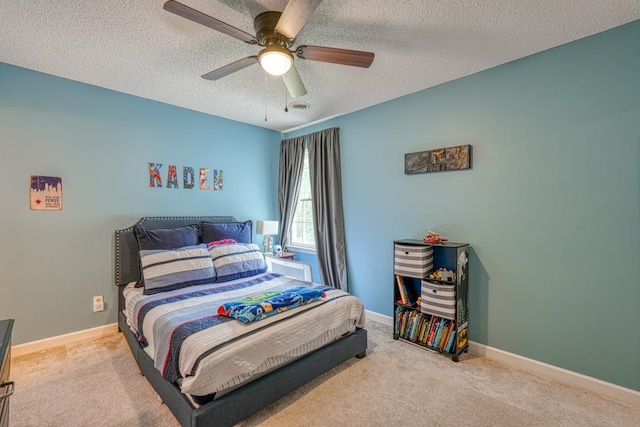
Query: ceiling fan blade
{"points": [[294, 16], [231, 68], [356, 58], [293, 83], [208, 21]]}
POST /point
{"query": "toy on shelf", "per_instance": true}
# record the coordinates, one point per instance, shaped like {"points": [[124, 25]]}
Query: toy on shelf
{"points": [[443, 274], [434, 237]]}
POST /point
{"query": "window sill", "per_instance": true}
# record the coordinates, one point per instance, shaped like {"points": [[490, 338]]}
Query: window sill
{"points": [[302, 249]]}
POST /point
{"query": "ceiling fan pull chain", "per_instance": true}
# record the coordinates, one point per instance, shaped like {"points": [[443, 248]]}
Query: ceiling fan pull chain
{"points": [[286, 92], [265, 96]]}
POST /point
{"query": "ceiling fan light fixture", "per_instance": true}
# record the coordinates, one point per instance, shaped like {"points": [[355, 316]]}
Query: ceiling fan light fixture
{"points": [[275, 60]]}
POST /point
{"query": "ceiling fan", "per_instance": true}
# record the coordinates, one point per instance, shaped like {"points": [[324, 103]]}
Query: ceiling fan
{"points": [[275, 32]]}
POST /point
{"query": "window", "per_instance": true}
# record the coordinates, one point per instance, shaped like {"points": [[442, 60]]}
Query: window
{"points": [[302, 227]]}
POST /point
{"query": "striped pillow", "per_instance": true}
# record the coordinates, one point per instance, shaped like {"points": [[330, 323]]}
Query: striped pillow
{"points": [[167, 270], [236, 261]]}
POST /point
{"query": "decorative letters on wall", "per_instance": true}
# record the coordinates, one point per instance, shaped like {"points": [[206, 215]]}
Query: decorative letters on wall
{"points": [[207, 179]]}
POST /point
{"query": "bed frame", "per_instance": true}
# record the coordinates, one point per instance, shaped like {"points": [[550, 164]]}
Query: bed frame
{"points": [[246, 400]]}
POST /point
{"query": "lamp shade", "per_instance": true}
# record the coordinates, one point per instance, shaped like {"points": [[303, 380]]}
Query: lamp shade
{"points": [[275, 60], [266, 227]]}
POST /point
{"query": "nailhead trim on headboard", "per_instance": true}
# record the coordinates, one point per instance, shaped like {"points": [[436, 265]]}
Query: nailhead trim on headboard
{"points": [[157, 222]]}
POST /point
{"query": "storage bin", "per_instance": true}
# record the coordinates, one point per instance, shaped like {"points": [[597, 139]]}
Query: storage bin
{"points": [[412, 261], [438, 299]]}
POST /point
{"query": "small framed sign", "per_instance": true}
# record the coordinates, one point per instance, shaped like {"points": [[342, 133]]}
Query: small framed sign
{"points": [[46, 193]]}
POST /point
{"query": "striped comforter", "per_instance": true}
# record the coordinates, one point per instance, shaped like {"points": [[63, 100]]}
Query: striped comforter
{"points": [[206, 353]]}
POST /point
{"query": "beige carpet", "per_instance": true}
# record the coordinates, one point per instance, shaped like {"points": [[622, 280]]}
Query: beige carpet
{"points": [[97, 383]]}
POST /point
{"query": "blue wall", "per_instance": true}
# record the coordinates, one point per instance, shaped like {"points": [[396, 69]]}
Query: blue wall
{"points": [[551, 206], [100, 143]]}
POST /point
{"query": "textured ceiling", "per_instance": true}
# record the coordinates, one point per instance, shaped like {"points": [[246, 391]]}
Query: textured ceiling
{"points": [[136, 47]]}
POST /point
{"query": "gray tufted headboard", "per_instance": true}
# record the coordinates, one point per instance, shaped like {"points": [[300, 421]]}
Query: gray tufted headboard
{"points": [[127, 267]]}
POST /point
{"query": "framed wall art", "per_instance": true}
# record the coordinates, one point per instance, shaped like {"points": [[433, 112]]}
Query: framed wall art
{"points": [[441, 159], [46, 193]]}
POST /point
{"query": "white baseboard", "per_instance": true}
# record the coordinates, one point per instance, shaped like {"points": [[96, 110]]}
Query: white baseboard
{"points": [[380, 318], [560, 374], [35, 346], [595, 385]]}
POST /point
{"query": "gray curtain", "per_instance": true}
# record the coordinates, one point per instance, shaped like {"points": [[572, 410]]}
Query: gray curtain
{"points": [[328, 218], [290, 175]]}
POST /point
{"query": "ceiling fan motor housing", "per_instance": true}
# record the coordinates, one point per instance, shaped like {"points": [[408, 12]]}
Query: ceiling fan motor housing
{"points": [[264, 24]]}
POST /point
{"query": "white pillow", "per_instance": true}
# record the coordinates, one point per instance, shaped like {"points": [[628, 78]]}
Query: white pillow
{"points": [[237, 260], [167, 270]]}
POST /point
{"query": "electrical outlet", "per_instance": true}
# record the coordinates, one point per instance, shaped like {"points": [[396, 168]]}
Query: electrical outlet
{"points": [[98, 303]]}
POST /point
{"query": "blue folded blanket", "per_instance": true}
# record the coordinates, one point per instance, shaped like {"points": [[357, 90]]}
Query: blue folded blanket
{"points": [[265, 304]]}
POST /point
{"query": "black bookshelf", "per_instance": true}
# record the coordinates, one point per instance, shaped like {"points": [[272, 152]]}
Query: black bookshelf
{"points": [[429, 311]]}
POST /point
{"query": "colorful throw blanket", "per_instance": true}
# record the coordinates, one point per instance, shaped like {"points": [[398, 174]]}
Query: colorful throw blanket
{"points": [[268, 303]]}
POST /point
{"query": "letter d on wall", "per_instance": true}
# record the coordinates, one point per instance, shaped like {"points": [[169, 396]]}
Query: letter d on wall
{"points": [[187, 177]]}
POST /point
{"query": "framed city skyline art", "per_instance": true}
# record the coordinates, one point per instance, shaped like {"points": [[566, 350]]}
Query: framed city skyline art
{"points": [[45, 193]]}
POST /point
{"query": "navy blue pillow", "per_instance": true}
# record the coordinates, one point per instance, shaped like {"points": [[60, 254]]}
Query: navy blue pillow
{"points": [[164, 238], [239, 231]]}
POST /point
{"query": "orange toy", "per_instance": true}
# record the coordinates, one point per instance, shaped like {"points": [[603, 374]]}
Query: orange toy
{"points": [[433, 237]]}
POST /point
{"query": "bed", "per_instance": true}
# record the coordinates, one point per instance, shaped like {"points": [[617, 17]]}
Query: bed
{"points": [[223, 401]]}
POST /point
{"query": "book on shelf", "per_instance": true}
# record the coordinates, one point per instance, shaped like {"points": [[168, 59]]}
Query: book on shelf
{"points": [[412, 325], [445, 340], [437, 333], [407, 324], [452, 339], [427, 330], [423, 327], [412, 319], [402, 290], [417, 326], [440, 343], [398, 316], [403, 322], [432, 332]]}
